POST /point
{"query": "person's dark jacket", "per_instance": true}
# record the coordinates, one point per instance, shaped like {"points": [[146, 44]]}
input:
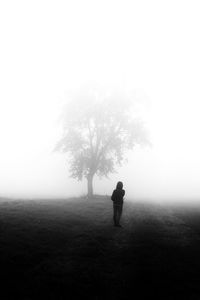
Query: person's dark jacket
{"points": [[117, 196]]}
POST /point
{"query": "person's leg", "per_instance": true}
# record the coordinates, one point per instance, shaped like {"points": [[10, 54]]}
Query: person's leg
{"points": [[115, 214], [120, 208]]}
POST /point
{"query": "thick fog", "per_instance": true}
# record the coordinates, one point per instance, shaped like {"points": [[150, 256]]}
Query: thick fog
{"points": [[148, 47]]}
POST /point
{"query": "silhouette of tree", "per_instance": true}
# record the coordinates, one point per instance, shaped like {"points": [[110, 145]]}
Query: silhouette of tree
{"points": [[98, 127]]}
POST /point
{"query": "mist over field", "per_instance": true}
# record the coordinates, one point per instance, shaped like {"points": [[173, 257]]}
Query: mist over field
{"points": [[149, 48], [81, 84]]}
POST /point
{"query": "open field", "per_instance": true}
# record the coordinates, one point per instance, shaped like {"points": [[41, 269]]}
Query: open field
{"points": [[67, 249]]}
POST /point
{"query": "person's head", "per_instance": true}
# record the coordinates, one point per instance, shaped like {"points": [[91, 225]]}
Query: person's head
{"points": [[119, 185]]}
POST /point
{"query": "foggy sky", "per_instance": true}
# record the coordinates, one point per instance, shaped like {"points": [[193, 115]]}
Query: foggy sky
{"points": [[48, 47]]}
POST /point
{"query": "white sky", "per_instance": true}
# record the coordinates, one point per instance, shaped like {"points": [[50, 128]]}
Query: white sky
{"points": [[48, 47]]}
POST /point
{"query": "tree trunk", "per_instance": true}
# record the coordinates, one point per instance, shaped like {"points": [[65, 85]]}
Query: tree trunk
{"points": [[90, 185]]}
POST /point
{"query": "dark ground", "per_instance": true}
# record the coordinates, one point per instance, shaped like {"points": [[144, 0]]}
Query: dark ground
{"points": [[69, 249]]}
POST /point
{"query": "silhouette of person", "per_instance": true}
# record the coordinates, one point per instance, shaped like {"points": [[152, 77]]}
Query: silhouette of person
{"points": [[117, 198]]}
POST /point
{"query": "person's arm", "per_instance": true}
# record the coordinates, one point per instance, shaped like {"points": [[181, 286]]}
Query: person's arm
{"points": [[123, 193], [113, 196]]}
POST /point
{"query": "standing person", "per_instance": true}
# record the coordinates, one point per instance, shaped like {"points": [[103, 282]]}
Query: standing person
{"points": [[117, 198]]}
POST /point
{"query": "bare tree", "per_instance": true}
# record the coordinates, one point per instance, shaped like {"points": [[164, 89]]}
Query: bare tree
{"points": [[98, 128]]}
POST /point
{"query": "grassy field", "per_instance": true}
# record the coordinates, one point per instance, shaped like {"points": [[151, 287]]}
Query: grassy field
{"points": [[69, 249]]}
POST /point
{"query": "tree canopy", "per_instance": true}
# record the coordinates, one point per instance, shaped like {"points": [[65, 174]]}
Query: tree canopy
{"points": [[98, 127]]}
